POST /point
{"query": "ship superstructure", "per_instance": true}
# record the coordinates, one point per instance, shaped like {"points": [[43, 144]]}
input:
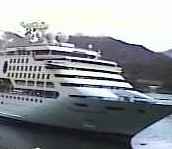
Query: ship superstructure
{"points": [[46, 81]]}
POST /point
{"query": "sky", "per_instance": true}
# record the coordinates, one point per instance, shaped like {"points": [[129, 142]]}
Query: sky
{"points": [[145, 22]]}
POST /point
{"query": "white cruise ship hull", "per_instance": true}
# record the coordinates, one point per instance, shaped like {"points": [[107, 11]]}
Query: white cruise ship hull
{"points": [[99, 116]]}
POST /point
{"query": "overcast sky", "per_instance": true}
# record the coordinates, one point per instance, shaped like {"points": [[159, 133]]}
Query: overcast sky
{"points": [[146, 22]]}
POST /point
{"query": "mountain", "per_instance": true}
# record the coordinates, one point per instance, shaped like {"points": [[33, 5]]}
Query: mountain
{"points": [[141, 66], [168, 53]]}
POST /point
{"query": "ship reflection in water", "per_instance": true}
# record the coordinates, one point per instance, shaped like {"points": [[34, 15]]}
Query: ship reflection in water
{"points": [[23, 136], [18, 135]]}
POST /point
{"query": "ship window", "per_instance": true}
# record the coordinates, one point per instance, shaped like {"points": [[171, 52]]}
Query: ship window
{"points": [[14, 67], [24, 75], [39, 68], [9, 68], [141, 111], [14, 97], [12, 75], [49, 84], [27, 99], [30, 83], [36, 100], [14, 61], [23, 98], [29, 75], [86, 85], [82, 69], [33, 75], [18, 61], [40, 84], [22, 60], [6, 96], [26, 67], [21, 68], [81, 104], [38, 76], [17, 68], [43, 76], [20, 82], [8, 75], [11, 61], [18, 98], [89, 77], [48, 76], [16, 75], [20, 75], [115, 108], [30, 68], [31, 99], [27, 60], [42, 52], [35, 67], [41, 101]]}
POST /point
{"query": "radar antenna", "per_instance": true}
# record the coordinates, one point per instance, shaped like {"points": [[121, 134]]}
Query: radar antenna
{"points": [[34, 30]]}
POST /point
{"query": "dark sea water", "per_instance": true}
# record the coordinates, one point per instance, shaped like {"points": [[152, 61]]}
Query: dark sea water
{"points": [[18, 135]]}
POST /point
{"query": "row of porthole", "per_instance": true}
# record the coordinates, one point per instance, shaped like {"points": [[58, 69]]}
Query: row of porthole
{"points": [[19, 60], [25, 68], [29, 75], [22, 98]]}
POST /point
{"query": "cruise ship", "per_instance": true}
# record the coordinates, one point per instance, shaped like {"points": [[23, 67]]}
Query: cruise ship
{"points": [[45, 80]]}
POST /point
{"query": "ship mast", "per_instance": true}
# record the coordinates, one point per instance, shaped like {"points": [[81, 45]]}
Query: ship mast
{"points": [[34, 32]]}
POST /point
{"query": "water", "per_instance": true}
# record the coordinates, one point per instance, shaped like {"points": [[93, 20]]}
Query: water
{"points": [[23, 136]]}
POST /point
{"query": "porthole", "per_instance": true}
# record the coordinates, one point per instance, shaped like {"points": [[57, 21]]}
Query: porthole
{"points": [[22, 60], [27, 60], [24, 75], [39, 68], [41, 101], [5, 67], [14, 61], [17, 68], [21, 68], [48, 76], [33, 75], [29, 75], [16, 75], [26, 67], [30, 68], [43, 76], [18, 61], [35, 68]]}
